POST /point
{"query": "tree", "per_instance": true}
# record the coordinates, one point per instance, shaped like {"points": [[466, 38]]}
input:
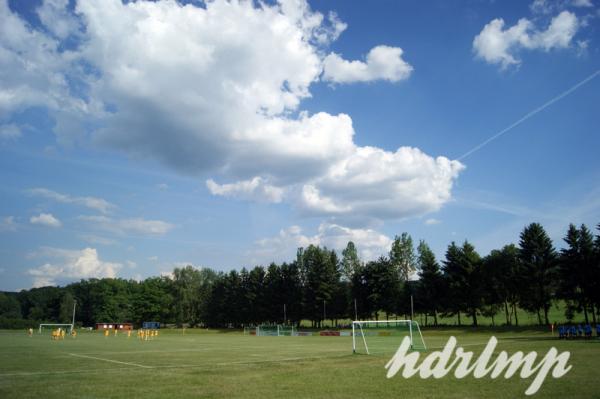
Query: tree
{"points": [[402, 256], [66, 307], [153, 300], [538, 259], [472, 288], [576, 269], [453, 279], [589, 270], [256, 295], [462, 270], [350, 261], [383, 286], [430, 288], [9, 306], [502, 273], [186, 285], [594, 282], [321, 276], [360, 293], [292, 292]]}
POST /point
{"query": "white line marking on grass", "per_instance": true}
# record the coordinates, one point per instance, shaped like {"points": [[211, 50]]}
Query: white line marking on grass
{"points": [[500, 342], [34, 373], [111, 361], [168, 367]]}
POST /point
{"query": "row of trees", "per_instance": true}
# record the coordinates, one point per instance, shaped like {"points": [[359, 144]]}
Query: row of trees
{"points": [[318, 286]]}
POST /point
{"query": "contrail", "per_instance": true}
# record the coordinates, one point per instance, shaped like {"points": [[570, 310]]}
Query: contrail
{"points": [[529, 115]]}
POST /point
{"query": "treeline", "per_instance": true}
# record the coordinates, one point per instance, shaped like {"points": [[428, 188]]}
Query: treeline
{"points": [[320, 285]]}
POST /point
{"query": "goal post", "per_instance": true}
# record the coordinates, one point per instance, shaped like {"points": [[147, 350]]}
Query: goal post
{"points": [[278, 330], [283, 330], [56, 325], [385, 336]]}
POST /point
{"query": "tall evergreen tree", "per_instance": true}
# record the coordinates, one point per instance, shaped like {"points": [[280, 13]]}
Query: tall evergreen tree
{"points": [[538, 259], [454, 280], [589, 271], [431, 288], [576, 268], [292, 292], [383, 286], [350, 261], [502, 270], [320, 268], [472, 279], [594, 282]]}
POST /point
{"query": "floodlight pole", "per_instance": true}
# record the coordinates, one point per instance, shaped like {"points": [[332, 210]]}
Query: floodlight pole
{"points": [[324, 313], [412, 312], [355, 310], [284, 314], [73, 322]]}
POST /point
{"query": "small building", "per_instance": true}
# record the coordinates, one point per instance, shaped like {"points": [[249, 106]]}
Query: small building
{"points": [[114, 326], [151, 325]]}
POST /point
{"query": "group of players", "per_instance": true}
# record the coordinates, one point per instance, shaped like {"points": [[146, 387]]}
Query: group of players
{"points": [[578, 331], [142, 334], [57, 334], [145, 335], [60, 333]]}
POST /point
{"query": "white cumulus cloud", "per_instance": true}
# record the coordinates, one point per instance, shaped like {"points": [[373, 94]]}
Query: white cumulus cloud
{"points": [[184, 85], [382, 63], [45, 219], [98, 204], [498, 45], [138, 226], [282, 247], [71, 264], [383, 184], [57, 19], [551, 6], [256, 188]]}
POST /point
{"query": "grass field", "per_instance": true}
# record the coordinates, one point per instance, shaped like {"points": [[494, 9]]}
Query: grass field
{"points": [[210, 364]]}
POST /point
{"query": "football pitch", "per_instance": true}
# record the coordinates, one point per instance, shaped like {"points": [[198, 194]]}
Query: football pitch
{"points": [[211, 364]]}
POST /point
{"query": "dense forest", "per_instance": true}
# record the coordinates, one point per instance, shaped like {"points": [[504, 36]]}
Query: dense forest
{"points": [[322, 285]]}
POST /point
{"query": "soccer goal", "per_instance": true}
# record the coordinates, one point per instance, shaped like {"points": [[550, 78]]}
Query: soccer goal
{"points": [[54, 326], [278, 330], [385, 336]]}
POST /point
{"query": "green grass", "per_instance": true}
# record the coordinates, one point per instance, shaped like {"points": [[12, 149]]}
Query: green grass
{"points": [[208, 364]]}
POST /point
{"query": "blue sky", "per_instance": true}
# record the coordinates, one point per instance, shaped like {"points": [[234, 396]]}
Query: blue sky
{"points": [[138, 137]]}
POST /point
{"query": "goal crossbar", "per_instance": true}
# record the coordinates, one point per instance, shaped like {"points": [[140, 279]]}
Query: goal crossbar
{"points": [[69, 325], [413, 330]]}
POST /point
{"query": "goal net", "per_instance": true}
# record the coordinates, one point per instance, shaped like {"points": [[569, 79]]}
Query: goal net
{"points": [[384, 337], [54, 326], [275, 330]]}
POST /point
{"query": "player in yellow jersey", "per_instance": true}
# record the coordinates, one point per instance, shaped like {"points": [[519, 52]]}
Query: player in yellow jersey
{"points": [[73, 333], [116, 331], [30, 332], [128, 333], [106, 333], [62, 333]]}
